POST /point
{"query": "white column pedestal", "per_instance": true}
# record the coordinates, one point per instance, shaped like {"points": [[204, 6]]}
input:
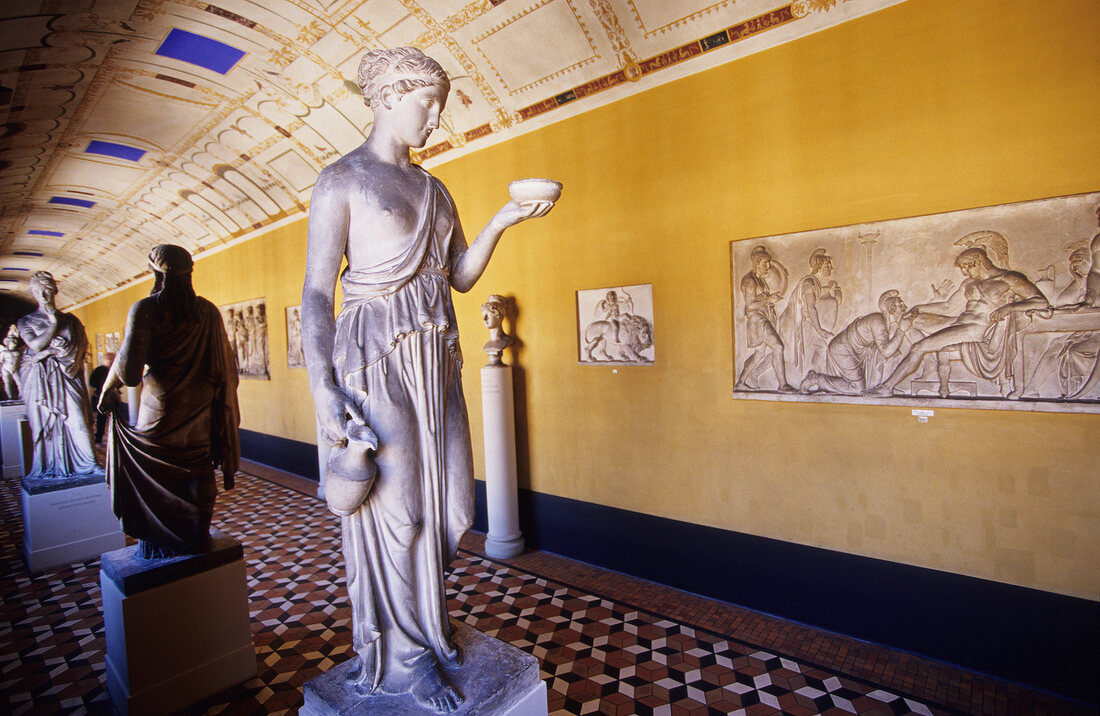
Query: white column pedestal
{"points": [[11, 437], [504, 539], [177, 629], [69, 525]]}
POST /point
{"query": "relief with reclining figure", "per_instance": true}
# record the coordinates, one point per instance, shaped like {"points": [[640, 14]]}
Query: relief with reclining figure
{"points": [[993, 307]]}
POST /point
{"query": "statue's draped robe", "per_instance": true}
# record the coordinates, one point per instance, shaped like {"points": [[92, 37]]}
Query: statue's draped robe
{"points": [[803, 345], [397, 355], [56, 398], [161, 471]]}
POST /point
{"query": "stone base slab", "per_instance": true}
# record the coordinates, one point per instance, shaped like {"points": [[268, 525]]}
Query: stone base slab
{"points": [[68, 525], [495, 679], [177, 629]]}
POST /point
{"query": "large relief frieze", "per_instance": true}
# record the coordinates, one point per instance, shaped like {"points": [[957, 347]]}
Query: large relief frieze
{"points": [[995, 307]]}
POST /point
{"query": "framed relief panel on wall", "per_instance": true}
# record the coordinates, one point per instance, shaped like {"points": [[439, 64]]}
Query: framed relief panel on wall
{"points": [[295, 358], [615, 325], [246, 326], [995, 307]]}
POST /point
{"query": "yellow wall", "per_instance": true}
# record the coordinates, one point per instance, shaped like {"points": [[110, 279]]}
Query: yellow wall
{"points": [[924, 107]]}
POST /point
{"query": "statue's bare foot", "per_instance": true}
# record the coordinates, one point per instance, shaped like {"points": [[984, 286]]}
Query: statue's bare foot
{"points": [[879, 391], [787, 388], [809, 383], [433, 691]]}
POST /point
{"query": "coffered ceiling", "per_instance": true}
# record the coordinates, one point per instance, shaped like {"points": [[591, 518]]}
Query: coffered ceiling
{"points": [[126, 123]]}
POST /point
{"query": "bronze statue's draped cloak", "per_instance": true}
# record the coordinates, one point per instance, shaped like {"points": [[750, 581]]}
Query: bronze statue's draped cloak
{"points": [[161, 471], [397, 355], [58, 410]]}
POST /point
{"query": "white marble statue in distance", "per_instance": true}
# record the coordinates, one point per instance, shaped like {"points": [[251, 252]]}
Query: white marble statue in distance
{"points": [[11, 352], [389, 363], [51, 376]]}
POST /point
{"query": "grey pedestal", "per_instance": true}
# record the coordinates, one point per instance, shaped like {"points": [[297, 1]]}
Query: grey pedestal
{"points": [[12, 413], [495, 679], [177, 629], [69, 524]]}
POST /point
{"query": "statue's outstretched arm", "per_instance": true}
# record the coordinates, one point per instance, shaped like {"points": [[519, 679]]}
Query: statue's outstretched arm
{"points": [[467, 264]]}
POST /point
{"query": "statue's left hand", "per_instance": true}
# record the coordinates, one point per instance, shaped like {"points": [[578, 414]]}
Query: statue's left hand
{"points": [[514, 212], [107, 401]]}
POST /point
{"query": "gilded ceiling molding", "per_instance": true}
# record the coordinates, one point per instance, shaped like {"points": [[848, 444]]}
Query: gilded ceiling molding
{"points": [[620, 43], [634, 71]]}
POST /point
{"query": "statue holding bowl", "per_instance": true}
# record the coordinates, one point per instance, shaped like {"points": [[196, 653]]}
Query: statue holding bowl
{"points": [[385, 375]]}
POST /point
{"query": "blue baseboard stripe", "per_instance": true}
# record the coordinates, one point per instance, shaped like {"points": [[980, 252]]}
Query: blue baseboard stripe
{"points": [[1041, 639], [293, 456]]}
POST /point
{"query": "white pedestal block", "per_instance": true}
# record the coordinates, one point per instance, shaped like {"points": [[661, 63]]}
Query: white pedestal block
{"points": [[177, 629], [68, 525], [495, 679], [504, 538], [11, 437]]}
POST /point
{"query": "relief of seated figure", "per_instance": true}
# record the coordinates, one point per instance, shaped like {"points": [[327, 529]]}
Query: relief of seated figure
{"points": [[1072, 356], [977, 323]]}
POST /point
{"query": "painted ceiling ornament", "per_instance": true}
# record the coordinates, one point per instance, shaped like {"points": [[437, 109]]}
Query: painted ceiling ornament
{"points": [[631, 69], [802, 8]]}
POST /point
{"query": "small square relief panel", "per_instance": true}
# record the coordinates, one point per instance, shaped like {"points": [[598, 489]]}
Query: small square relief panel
{"points": [[615, 325]]}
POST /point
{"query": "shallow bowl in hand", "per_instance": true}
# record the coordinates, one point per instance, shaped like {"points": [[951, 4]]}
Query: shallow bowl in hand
{"points": [[524, 190]]}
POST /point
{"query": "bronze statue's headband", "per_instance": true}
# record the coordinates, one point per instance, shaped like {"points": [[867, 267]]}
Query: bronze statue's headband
{"points": [[169, 258]]}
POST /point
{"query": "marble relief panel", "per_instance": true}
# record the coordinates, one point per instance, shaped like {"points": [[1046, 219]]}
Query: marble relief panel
{"points": [[246, 326], [993, 307], [295, 357], [615, 325]]}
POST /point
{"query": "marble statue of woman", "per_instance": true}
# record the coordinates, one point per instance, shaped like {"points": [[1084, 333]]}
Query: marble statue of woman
{"points": [[51, 376], [11, 352], [385, 373]]}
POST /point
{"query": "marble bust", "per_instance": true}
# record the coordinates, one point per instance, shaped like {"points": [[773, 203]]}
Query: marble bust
{"points": [[385, 376], [493, 312]]}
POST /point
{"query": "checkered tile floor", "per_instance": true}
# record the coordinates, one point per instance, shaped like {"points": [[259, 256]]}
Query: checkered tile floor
{"points": [[599, 654]]}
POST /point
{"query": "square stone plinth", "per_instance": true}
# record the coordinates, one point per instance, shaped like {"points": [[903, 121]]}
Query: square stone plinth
{"points": [[495, 679], [177, 629], [12, 414], [70, 524]]}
